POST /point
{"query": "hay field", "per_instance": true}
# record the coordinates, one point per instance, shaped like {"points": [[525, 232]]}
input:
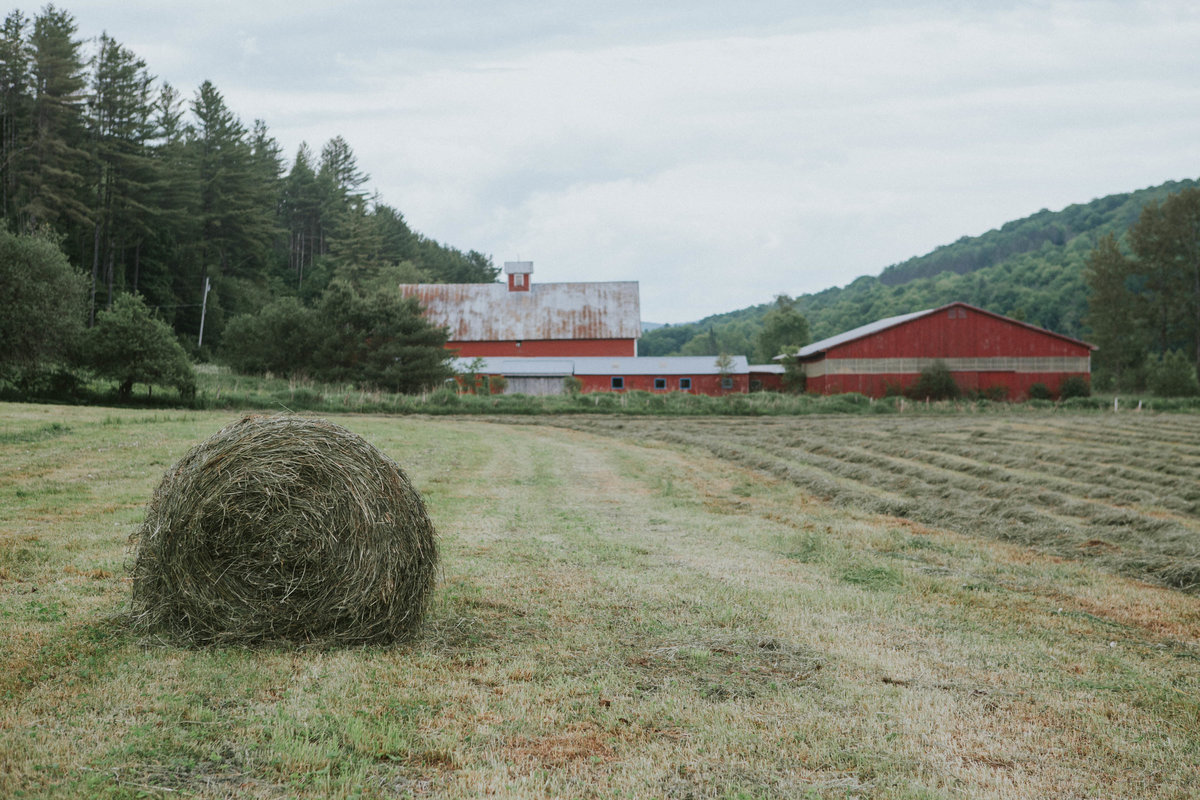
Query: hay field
{"points": [[700, 609]]}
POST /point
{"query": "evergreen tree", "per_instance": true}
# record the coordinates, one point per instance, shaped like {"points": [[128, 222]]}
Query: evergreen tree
{"points": [[51, 176], [16, 109], [235, 209], [380, 340], [121, 127], [301, 215], [166, 274]]}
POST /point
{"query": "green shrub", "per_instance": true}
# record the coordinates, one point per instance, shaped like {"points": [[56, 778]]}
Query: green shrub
{"points": [[280, 338], [1040, 391], [934, 383], [1074, 386], [1173, 375], [996, 393]]}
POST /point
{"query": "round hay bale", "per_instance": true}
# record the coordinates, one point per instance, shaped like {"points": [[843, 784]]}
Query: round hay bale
{"points": [[283, 529]]}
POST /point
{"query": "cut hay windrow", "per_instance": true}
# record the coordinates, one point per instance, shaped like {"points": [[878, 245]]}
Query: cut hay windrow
{"points": [[936, 472], [284, 529]]}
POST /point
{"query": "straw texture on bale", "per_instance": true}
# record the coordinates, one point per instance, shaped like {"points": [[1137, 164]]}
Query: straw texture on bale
{"points": [[283, 529]]}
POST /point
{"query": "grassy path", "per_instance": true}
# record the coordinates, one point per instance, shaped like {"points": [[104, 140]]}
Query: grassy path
{"points": [[618, 616]]}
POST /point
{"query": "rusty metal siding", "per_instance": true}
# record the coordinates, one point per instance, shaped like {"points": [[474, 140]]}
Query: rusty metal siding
{"points": [[489, 312]]}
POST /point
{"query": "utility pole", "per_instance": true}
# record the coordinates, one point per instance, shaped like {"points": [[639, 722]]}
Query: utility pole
{"points": [[203, 310]]}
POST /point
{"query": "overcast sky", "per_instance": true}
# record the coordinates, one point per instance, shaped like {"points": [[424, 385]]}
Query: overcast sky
{"points": [[718, 152]]}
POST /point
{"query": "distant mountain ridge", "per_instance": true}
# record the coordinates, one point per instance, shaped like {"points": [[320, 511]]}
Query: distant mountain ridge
{"points": [[1113, 213], [1031, 269]]}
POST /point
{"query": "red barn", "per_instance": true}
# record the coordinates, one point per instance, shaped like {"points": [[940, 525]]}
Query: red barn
{"points": [[689, 374], [525, 319], [984, 352]]}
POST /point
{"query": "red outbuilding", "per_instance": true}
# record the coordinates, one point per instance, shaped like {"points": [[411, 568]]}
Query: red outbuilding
{"points": [[524, 319], [688, 374], [985, 352]]}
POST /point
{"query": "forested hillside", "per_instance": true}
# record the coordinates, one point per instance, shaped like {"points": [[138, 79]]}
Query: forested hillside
{"points": [[1030, 269], [153, 190]]}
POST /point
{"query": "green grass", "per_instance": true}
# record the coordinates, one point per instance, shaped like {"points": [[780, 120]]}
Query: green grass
{"points": [[624, 615], [1122, 491], [219, 389]]}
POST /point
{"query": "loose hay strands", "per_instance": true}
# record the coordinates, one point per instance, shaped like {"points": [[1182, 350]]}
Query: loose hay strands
{"points": [[284, 529]]}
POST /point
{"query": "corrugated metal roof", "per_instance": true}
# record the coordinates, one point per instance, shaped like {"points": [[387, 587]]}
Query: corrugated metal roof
{"points": [[516, 366], [859, 332], [489, 312], [657, 365], [645, 365]]}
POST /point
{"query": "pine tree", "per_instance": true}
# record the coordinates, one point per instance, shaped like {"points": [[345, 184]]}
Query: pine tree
{"points": [[165, 273], [301, 215], [236, 208], [52, 175], [16, 109], [121, 126]]}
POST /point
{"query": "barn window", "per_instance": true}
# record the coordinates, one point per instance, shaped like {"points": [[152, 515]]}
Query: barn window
{"points": [[726, 383], [685, 384], [618, 383], [660, 383], [518, 279]]}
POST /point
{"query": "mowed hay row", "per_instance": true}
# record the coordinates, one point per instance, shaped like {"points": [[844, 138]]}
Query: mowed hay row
{"points": [[861, 463], [283, 529], [1051, 469], [1103, 439]]}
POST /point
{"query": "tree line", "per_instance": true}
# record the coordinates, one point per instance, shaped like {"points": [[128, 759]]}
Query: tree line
{"points": [[152, 193]]}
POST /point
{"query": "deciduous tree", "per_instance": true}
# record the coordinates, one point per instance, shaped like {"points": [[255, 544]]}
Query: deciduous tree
{"points": [[130, 346], [784, 327], [42, 302]]}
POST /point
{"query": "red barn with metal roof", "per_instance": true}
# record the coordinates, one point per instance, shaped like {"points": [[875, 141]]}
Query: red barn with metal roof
{"points": [[688, 374], [983, 350], [523, 319]]}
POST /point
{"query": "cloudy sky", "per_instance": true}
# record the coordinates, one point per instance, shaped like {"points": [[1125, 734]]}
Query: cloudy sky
{"points": [[718, 152]]}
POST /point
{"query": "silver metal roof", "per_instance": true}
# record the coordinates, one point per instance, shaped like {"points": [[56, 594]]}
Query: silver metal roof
{"points": [[859, 332], [489, 312], [658, 365], [592, 365], [517, 366]]}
